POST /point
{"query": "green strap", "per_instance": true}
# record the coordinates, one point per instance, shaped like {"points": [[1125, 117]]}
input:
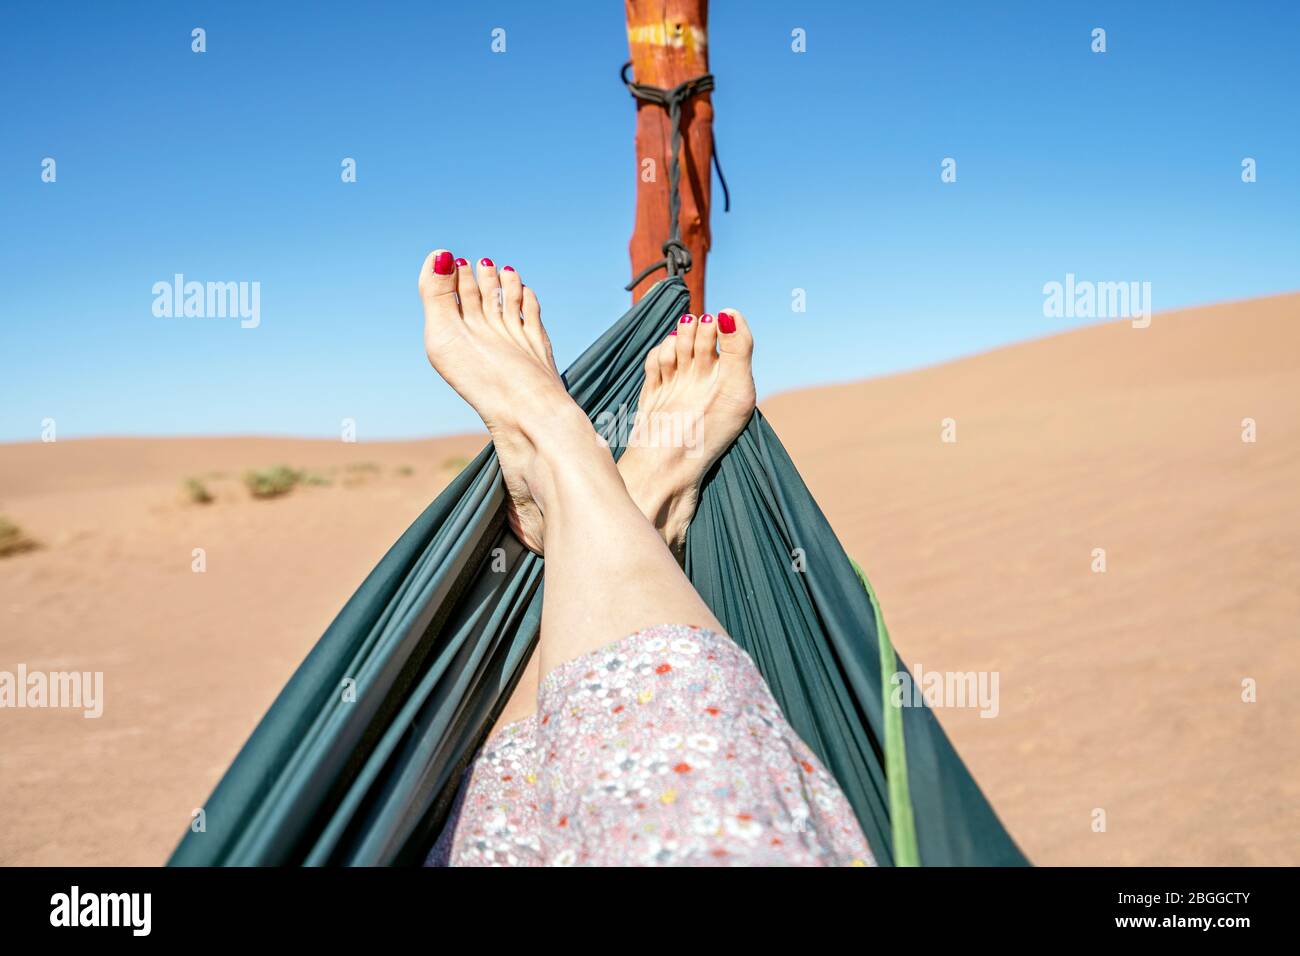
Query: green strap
{"points": [[902, 823]]}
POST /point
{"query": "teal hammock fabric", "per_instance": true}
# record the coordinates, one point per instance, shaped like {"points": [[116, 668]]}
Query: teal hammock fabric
{"points": [[358, 760]]}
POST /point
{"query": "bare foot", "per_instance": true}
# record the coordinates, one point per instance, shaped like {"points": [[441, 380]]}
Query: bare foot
{"points": [[486, 339], [697, 397]]}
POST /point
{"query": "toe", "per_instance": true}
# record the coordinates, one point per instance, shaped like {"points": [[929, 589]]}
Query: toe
{"points": [[489, 287], [734, 337], [442, 320], [652, 376], [686, 326], [736, 345], [534, 331], [706, 339], [512, 305], [512, 295], [471, 303], [438, 278], [667, 352]]}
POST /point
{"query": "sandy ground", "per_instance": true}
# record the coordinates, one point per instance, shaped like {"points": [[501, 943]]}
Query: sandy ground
{"points": [[1118, 691]]}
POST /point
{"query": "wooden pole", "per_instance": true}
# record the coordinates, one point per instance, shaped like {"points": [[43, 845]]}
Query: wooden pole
{"points": [[668, 42]]}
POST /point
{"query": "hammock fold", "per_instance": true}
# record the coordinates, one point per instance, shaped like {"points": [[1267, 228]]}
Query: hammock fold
{"points": [[358, 760]]}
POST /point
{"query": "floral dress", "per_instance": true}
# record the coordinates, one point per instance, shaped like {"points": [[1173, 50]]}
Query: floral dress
{"points": [[664, 748]]}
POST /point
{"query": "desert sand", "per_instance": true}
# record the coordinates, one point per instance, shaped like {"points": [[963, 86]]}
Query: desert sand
{"points": [[1119, 690]]}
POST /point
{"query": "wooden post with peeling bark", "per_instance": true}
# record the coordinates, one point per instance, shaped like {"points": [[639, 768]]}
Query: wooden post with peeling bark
{"points": [[668, 42]]}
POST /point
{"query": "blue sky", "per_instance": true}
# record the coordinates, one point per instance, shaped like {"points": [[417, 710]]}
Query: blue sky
{"points": [[225, 166]]}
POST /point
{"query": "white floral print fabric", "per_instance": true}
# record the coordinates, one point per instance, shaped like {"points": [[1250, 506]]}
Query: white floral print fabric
{"points": [[664, 748]]}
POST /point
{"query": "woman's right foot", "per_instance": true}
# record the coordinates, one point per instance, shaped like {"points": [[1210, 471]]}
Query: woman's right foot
{"points": [[697, 397]]}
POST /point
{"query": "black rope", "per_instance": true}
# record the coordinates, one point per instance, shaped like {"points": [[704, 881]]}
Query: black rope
{"points": [[677, 258]]}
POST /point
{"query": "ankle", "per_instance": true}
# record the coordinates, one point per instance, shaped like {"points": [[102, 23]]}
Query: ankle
{"points": [[666, 495], [570, 463], [680, 512], [550, 416]]}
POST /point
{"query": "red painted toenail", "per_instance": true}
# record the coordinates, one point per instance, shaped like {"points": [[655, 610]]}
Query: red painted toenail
{"points": [[673, 332], [462, 262], [687, 319], [507, 268], [705, 318], [726, 322], [485, 261], [442, 264]]}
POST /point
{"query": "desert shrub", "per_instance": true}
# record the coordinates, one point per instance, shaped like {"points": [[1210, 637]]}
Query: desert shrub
{"points": [[13, 540], [198, 492], [271, 482]]}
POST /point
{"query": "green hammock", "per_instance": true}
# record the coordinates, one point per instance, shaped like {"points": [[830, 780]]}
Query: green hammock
{"points": [[359, 759]]}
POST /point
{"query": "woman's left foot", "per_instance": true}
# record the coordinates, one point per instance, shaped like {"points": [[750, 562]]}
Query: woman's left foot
{"points": [[697, 397]]}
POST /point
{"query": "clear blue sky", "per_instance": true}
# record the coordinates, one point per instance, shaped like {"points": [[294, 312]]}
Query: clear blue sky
{"points": [[225, 166]]}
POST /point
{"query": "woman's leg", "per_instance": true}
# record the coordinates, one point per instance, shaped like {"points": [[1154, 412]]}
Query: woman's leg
{"points": [[608, 571], [693, 404], [697, 396], [658, 743]]}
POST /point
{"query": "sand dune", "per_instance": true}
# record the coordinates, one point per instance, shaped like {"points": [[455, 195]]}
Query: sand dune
{"points": [[190, 661], [1119, 691]]}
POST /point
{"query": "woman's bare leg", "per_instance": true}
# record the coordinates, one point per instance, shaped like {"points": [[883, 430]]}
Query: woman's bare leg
{"points": [[706, 769], [694, 402], [609, 573]]}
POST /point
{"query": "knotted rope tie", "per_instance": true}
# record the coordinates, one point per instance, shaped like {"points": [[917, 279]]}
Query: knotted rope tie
{"points": [[677, 258]]}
